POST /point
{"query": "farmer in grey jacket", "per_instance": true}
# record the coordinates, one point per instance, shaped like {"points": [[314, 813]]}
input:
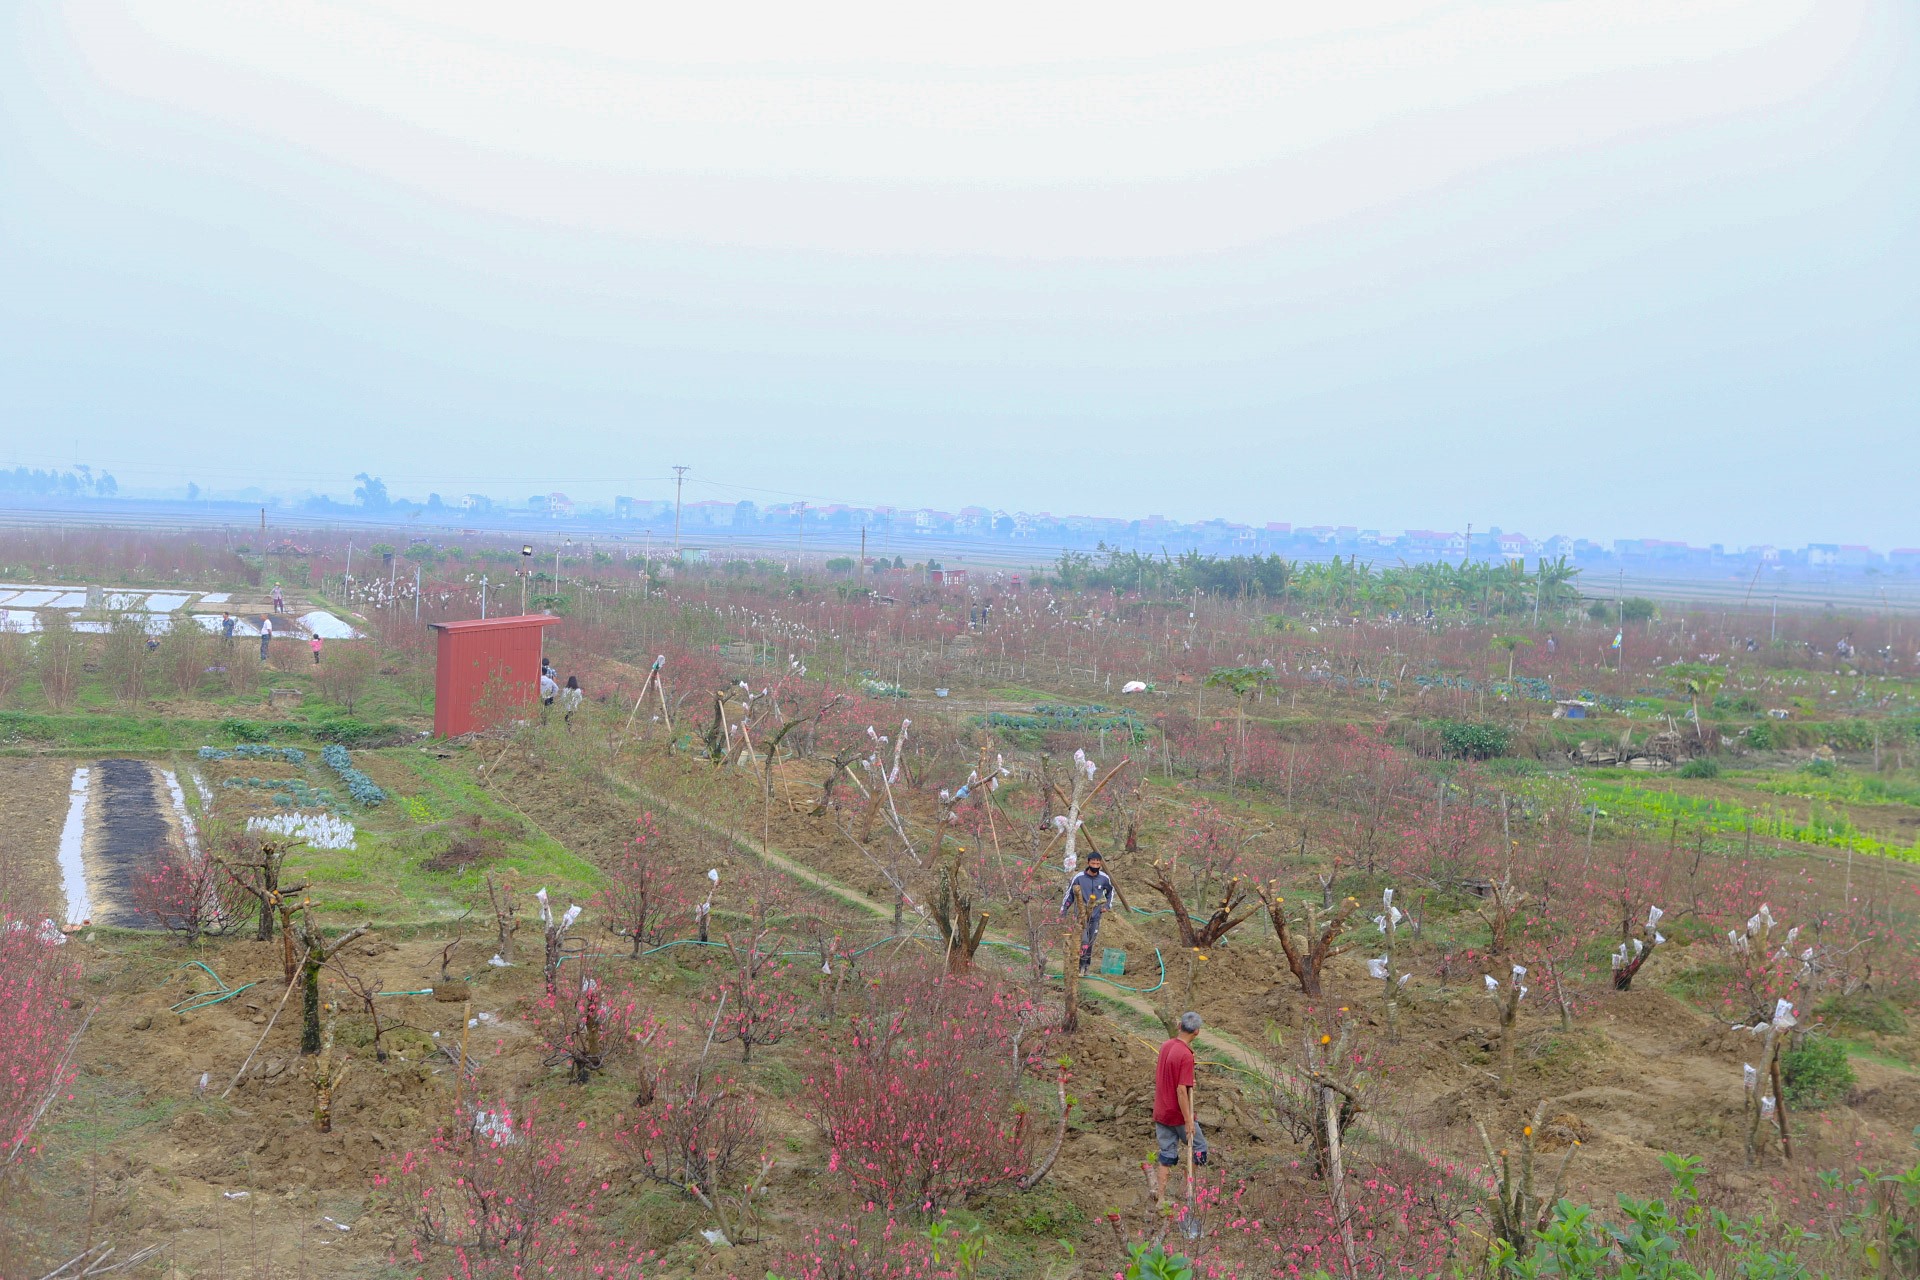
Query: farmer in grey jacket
{"points": [[1095, 886]]}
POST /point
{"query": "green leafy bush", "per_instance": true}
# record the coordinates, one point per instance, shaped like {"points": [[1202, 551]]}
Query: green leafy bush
{"points": [[251, 730], [1816, 1071], [1703, 767], [349, 732], [1472, 740], [1632, 609]]}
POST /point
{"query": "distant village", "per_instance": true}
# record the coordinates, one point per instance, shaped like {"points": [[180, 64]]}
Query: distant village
{"points": [[716, 522]]}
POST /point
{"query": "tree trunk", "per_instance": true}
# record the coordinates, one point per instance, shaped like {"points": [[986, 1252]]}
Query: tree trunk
{"points": [[1337, 1180], [310, 1001]]}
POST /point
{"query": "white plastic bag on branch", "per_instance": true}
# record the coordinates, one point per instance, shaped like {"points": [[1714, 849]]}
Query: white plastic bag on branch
{"points": [[1377, 969]]}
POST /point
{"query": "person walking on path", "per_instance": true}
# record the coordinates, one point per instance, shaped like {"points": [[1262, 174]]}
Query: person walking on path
{"points": [[570, 698], [1173, 1118], [314, 644], [226, 627], [1096, 887], [266, 636], [279, 601], [547, 689]]}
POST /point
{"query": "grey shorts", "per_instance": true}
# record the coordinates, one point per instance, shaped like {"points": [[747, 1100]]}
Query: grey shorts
{"points": [[1172, 1135]]}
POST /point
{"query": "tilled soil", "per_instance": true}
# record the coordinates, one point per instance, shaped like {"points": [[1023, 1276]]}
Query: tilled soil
{"points": [[33, 807]]}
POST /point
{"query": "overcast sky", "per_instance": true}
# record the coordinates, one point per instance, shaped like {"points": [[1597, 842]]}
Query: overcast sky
{"points": [[1622, 268]]}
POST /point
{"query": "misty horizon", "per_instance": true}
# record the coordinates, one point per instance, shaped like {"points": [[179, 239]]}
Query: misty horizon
{"points": [[1650, 276]]}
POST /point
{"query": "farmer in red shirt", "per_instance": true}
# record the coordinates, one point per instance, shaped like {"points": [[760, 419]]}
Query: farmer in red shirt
{"points": [[1173, 1121]]}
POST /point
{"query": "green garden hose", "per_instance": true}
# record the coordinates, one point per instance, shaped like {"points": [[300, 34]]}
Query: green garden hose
{"points": [[205, 999]]}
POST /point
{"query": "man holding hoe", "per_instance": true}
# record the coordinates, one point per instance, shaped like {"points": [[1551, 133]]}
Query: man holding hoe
{"points": [[1173, 1122]]}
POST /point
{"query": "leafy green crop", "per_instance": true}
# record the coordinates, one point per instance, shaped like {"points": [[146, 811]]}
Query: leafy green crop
{"points": [[362, 788], [1471, 740]]}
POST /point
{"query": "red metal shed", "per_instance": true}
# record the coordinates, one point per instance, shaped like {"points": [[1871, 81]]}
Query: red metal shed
{"points": [[485, 660]]}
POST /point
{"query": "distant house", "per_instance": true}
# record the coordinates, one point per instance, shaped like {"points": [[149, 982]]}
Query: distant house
{"points": [[710, 514], [1514, 546], [1434, 542], [947, 577]]}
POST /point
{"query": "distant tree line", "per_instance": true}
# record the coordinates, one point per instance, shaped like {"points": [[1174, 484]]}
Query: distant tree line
{"points": [[77, 483], [1350, 584]]}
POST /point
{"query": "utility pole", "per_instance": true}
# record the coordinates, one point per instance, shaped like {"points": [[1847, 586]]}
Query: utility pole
{"points": [[483, 598], [801, 524], [862, 573], [416, 595], [1773, 627], [679, 478]]}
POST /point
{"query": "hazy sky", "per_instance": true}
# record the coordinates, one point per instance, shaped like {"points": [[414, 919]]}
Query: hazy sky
{"points": [[1556, 265]]}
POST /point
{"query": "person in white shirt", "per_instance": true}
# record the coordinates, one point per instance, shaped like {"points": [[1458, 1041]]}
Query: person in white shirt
{"points": [[547, 690], [571, 697]]}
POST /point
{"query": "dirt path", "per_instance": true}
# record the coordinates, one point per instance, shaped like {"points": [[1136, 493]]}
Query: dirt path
{"points": [[1224, 1046]]}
